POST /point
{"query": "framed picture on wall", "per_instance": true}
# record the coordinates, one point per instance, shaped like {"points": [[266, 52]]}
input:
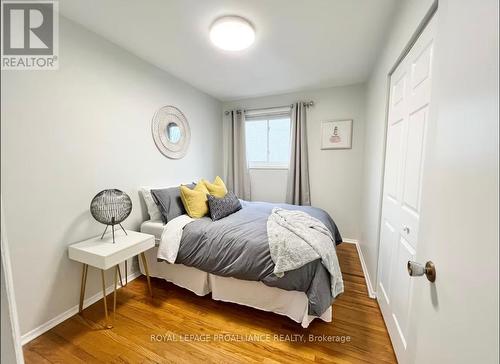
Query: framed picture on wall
{"points": [[336, 134]]}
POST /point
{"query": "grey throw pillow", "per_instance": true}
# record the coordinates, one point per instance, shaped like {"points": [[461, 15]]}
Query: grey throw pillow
{"points": [[169, 202], [222, 207]]}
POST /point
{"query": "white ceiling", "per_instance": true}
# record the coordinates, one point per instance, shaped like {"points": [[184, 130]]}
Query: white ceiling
{"points": [[299, 44]]}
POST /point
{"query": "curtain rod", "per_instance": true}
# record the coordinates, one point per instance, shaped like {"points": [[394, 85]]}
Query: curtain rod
{"points": [[306, 104]]}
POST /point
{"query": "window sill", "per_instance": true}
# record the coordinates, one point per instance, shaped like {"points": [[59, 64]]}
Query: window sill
{"points": [[269, 167]]}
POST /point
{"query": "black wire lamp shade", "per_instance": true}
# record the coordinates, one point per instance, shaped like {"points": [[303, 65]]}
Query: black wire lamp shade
{"points": [[111, 207]]}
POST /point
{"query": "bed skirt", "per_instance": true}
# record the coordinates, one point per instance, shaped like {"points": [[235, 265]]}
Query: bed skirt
{"points": [[293, 304]]}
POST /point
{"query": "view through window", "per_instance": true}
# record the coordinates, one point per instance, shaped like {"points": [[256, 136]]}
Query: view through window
{"points": [[268, 141]]}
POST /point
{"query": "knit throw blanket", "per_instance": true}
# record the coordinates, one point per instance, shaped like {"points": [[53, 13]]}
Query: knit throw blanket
{"points": [[296, 238]]}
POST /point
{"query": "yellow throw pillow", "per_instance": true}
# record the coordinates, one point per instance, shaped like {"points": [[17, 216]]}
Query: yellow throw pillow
{"points": [[195, 200], [217, 189]]}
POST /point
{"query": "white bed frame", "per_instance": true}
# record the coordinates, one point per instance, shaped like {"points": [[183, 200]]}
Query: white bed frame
{"points": [[293, 304]]}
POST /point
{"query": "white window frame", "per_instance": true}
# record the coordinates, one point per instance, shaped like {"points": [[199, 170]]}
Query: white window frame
{"points": [[266, 164]]}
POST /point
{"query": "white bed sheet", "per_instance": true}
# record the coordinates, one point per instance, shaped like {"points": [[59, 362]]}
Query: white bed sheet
{"points": [[293, 304]]}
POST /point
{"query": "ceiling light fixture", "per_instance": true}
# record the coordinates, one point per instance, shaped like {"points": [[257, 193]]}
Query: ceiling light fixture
{"points": [[232, 33]]}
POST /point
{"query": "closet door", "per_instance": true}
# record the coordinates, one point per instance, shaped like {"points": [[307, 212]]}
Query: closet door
{"points": [[406, 134]]}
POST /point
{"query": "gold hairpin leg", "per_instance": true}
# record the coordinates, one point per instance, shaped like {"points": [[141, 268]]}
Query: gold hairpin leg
{"points": [[126, 274], [117, 270], [119, 274], [82, 286], [108, 325], [145, 263]]}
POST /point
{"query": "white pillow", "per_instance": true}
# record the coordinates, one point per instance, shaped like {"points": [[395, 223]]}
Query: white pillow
{"points": [[153, 211]]}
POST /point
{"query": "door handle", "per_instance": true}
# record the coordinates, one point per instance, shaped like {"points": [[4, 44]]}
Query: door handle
{"points": [[406, 229], [416, 270]]}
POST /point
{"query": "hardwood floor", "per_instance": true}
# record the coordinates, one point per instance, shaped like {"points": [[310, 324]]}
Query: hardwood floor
{"points": [[181, 319]]}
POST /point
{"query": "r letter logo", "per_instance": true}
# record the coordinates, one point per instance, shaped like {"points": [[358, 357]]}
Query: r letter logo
{"points": [[30, 35]]}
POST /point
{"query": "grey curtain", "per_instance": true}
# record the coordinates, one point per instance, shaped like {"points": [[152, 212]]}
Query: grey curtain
{"points": [[298, 192], [237, 174]]}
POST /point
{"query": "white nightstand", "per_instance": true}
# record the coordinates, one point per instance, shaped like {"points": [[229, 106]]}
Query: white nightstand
{"points": [[104, 254]]}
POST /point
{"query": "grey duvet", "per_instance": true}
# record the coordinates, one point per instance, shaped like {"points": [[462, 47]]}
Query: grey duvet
{"points": [[237, 246]]}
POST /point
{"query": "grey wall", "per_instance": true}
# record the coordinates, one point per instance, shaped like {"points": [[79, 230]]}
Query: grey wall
{"points": [[335, 175], [70, 133], [409, 15]]}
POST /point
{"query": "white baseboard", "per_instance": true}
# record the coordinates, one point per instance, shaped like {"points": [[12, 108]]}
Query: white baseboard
{"points": [[37, 331], [371, 291]]}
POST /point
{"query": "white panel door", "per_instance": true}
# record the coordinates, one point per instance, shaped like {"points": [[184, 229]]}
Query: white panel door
{"points": [[409, 102]]}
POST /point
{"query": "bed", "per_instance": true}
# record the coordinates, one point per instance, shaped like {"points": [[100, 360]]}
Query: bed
{"points": [[239, 240]]}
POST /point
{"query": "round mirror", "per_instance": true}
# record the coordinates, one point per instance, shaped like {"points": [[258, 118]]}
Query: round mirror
{"points": [[173, 132]]}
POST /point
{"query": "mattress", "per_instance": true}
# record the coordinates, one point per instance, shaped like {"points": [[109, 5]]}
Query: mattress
{"points": [[153, 227]]}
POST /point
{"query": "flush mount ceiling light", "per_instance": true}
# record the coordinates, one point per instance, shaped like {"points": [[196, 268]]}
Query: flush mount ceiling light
{"points": [[232, 33]]}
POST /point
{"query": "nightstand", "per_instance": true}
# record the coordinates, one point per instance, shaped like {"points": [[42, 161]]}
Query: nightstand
{"points": [[103, 254]]}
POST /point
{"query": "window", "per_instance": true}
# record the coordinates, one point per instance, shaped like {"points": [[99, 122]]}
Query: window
{"points": [[268, 141]]}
